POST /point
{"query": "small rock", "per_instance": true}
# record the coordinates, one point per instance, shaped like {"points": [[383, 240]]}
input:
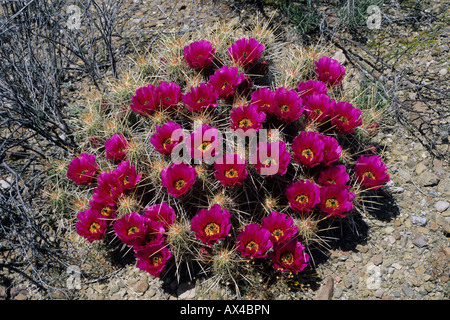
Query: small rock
{"points": [[140, 287], [326, 290], [428, 179], [407, 291], [340, 57], [441, 206], [419, 220], [389, 230], [420, 168], [377, 260], [420, 241], [379, 293], [356, 257], [443, 71]]}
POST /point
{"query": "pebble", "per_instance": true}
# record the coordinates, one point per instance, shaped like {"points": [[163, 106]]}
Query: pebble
{"points": [[389, 230], [140, 287], [420, 241], [421, 221], [441, 206]]}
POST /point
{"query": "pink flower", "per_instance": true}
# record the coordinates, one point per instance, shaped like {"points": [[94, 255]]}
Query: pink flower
{"points": [[271, 158], [247, 117], [335, 201], [162, 213], [371, 172], [126, 173], [264, 98], [82, 170], [154, 233], [170, 94], [109, 189], [153, 258], [131, 229], [211, 225], [310, 87], [146, 100], [203, 96], [245, 52], [318, 106], [230, 170], [280, 226], [334, 175], [116, 148], [178, 179], [290, 256], [226, 80], [105, 210], [204, 143], [303, 196], [199, 54], [167, 137], [91, 225], [345, 117], [308, 148], [329, 71], [254, 241], [332, 150], [288, 105]]}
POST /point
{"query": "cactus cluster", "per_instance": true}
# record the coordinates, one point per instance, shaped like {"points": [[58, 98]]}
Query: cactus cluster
{"points": [[224, 149]]}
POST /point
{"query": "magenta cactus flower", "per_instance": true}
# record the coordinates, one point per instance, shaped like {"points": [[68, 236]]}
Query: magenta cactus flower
{"points": [[329, 71], [169, 94], [264, 98], [345, 117], [126, 173], [226, 80], [131, 229], [271, 158], [335, 175], [335, 201], [167, 137], [105, 210], [91, 225], [318, 107], [303, 196], [332, 150], [254, 241], [289, 257], [288, 105], [371, 172], [204, 96], [246, 118], [230, 170], [178, 179], [310, 87], [146, 100], [116, 147], [109, 188], [308, 148], [162, 213], [199, 54], [211, 225], [154, 234], [280, 226], [245, 52], [82, 170], [204, 143], [153, 258]]}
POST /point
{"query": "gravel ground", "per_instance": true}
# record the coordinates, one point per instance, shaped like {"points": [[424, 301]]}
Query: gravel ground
{"points": [[399, 252]]}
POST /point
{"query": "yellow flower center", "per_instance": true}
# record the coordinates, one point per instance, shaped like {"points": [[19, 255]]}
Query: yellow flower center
{"points": [[252, 245], [205, 146], [344, 119], [269, 162], [132, 230], [82, 173], [224, 85], [200, 100], [211, 229], [287, 258], [307, 153], [318, 111], [156, 260], [277, 233], [284, 108], [232, 173], [302, 198], [94, 227], [166, 142], [179, 184], [106, 211], [369, 175], [332, 203], [245, 123], [331, 181]]}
